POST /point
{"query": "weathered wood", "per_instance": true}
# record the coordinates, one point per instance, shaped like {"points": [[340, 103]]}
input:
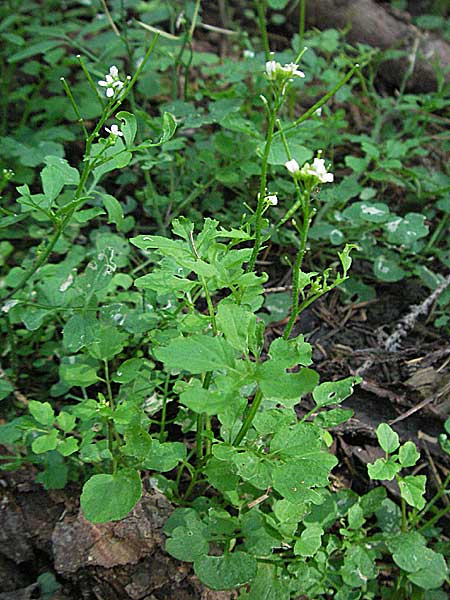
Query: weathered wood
{"points": [[375, 24]]}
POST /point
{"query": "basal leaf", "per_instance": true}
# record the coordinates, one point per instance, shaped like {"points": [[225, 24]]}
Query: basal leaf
{"points": [[111, 497], [225, 572]]}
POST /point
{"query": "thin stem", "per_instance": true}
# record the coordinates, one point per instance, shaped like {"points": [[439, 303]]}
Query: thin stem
{"points": [[110, 423], [301, 23], [436, 518], [321, 102], [441, 491], [109, 18], [194, 20], [261, 12], [75, 107], [155, 205], [162, 427], [249, 418], [262, 192], [296, 274], [91, 82]]}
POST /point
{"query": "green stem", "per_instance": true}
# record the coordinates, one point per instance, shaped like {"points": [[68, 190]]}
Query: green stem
{"points": [[321, 102], [249, 418], [261, 12], [301, 23], [295, 310], [110, 424], [75, 107], [162, 426], [194, 20], [262, 192], [436, 518], [154, 199], [441, 491]]}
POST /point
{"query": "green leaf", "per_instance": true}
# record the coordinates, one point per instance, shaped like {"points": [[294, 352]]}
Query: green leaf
{"points": [[108, 342], [42, 412], [285, 388], [383, 469], [293, 480], [277, 4], [5, 388], [289, 353], [409, 550], [225, 572], [128, 126], [334, 392], [387, 438], [234, 322], [387, 269], [355, 517], [267, 585], [68, 446], [196, 354], [408, 454], [78, 373], [333, 418], [405, 231], [210, 402], [56, 175], [188, 543], [165, 457], [412, 489], [169, 126], [259, 537], [55, 474], [359, 566], [79, 331], [114, 209], [310, 540], [111, 497], [66, 421], [433, 572], [45, 442]]}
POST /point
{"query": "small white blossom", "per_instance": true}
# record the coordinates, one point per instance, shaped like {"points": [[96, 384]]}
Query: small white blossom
{"points": [[112, 83], [274, 70], [292, 166], [272, 199], [318, 171], [249, 54], [292, 70], [115, 131]]}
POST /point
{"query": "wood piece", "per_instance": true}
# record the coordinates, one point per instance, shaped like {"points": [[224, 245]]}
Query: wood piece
{"points": [[377, 25]]}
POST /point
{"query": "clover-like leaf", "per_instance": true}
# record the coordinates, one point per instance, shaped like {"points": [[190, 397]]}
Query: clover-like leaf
{"points": [[387, 438], [111, 497], [227, 571]]}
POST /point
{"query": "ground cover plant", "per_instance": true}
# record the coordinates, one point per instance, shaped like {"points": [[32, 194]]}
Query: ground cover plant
{"points": [[140, 203]]}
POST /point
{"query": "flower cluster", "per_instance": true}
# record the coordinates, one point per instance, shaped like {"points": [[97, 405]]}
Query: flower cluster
{"points": [[275, 71], [315, 172], [112, 82]]}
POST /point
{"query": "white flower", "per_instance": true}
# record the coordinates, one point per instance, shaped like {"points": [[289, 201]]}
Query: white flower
{"points": [[272, 199], [292, 70], [275, 70], [318, 171], [112, 83], [114, 131], [271, 69], [292, 166], [248, 54]]}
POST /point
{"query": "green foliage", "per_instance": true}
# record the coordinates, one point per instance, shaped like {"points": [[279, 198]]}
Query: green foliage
{"points": [[134, 309]]}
